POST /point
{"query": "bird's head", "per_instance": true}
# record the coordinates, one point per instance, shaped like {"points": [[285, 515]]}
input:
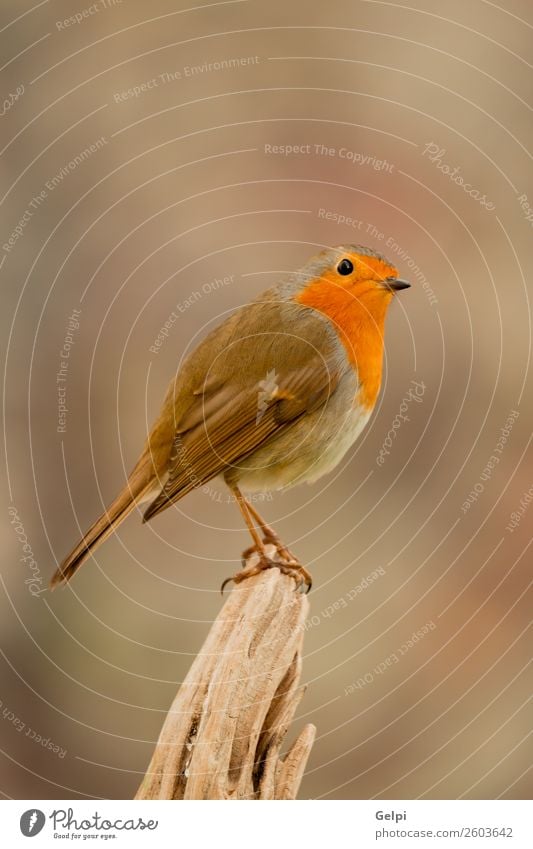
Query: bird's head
{"points": [[352, 272], [353, 287], [351, 284]]}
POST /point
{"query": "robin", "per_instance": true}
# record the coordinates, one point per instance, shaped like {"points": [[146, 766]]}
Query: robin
{"points": [[272, 397]]}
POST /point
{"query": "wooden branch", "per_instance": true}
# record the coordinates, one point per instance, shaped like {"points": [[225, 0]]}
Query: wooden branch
{"points": [[223, 734]]}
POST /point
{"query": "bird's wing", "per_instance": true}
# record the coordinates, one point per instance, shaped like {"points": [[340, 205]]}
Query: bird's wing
{"points": [[228, 423]]}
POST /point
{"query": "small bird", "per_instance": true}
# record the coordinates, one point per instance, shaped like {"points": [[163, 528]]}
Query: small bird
{"points": [[275, 395]]}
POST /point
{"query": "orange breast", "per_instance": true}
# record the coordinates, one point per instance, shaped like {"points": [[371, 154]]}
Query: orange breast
{"points": [[359, 321]]}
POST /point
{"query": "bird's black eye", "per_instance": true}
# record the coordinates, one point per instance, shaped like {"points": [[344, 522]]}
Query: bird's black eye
{"points": [[345, 267]]}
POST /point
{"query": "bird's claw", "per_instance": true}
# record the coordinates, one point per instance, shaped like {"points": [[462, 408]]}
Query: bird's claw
{"points": [[270, 539], [289, 567], [223, 585], [300, 575]]}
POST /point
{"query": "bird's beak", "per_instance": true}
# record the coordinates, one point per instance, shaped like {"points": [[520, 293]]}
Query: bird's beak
{"points": [[396, 284]]}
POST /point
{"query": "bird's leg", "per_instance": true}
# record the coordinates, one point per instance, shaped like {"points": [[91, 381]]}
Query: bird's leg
{"points": [[246, 509], [270, 536], [292, 564], [289, 567]]}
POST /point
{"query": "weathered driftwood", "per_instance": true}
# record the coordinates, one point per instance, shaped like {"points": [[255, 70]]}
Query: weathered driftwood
{"points": [[222, 736]]}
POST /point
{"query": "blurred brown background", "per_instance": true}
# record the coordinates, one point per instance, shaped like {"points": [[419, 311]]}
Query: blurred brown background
{"points": [[125, 204]]}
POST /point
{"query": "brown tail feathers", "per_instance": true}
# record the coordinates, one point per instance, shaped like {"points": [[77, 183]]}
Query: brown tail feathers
{"points": [[139, 483]]}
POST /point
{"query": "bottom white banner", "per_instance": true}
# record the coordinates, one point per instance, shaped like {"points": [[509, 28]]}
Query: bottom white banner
{"points": [[306, 823]]}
